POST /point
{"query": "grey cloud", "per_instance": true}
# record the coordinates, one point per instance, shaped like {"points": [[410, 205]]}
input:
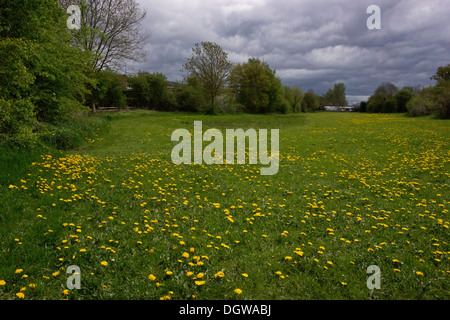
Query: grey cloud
{"points": [[311, 43]]}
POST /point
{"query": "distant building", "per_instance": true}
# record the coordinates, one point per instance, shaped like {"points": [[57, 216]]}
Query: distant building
{"points": [[339, 108]]}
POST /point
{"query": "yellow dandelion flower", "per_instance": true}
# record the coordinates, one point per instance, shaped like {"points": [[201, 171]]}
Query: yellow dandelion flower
{"points": [[238, 291], [152, 277], [104, 263]]}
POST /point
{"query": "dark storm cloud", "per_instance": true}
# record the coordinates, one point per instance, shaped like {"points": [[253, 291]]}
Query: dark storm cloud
{"points": [[311, 43]]}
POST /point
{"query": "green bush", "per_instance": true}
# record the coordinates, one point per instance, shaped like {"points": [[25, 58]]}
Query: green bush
{"points": [[190, 98], [443, 101], [389, 106], [15, 114], [419, 106]]}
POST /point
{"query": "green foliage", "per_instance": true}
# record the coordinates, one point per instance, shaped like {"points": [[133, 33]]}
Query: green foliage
{"points": [[210, 65], [442, 92], [256, 87], [421, 105], [403, 96], [389, 105], [69, 134], [442, 74], [109, 90], [383, 100], [310, 102], [190, 98], [42, 76], [149, 91], [336, 96], [363, 106]]}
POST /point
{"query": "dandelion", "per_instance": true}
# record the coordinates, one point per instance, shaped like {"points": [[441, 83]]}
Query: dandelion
{"points": [[199, 283], [20, 295], [238, 291], [2, 282], [152, 277], [245, 275], [219, 274], [104, 263]]}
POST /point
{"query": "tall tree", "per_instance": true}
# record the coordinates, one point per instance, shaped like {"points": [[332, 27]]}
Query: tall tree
{"points": [[256, 87], [298, 97], [111, 30], [442, 74], [383, 100], [336, 96], [209, 64], [310, 102]]}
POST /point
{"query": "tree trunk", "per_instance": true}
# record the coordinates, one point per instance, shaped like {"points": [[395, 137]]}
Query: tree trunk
{"points": [[212, 104]]}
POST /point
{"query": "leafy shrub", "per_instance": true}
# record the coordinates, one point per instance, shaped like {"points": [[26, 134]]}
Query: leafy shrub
{"points": [[419, 106], [443, 101]]}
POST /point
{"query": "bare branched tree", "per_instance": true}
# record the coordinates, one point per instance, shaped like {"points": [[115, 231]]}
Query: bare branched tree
{"points": [[111, 30]]}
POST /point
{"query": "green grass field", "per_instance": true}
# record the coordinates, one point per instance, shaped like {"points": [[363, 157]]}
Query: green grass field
{"points": [[352, 190]]}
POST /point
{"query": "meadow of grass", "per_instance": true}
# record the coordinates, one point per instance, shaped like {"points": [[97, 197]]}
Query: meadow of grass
{"points": [[352, 190]]}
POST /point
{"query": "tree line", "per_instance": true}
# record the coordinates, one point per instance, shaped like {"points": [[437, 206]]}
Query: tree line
{"points": [[214, 84], [414, 101]]}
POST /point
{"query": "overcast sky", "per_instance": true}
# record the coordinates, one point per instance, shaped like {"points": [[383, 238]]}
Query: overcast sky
{"points": [[310, 43]]}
